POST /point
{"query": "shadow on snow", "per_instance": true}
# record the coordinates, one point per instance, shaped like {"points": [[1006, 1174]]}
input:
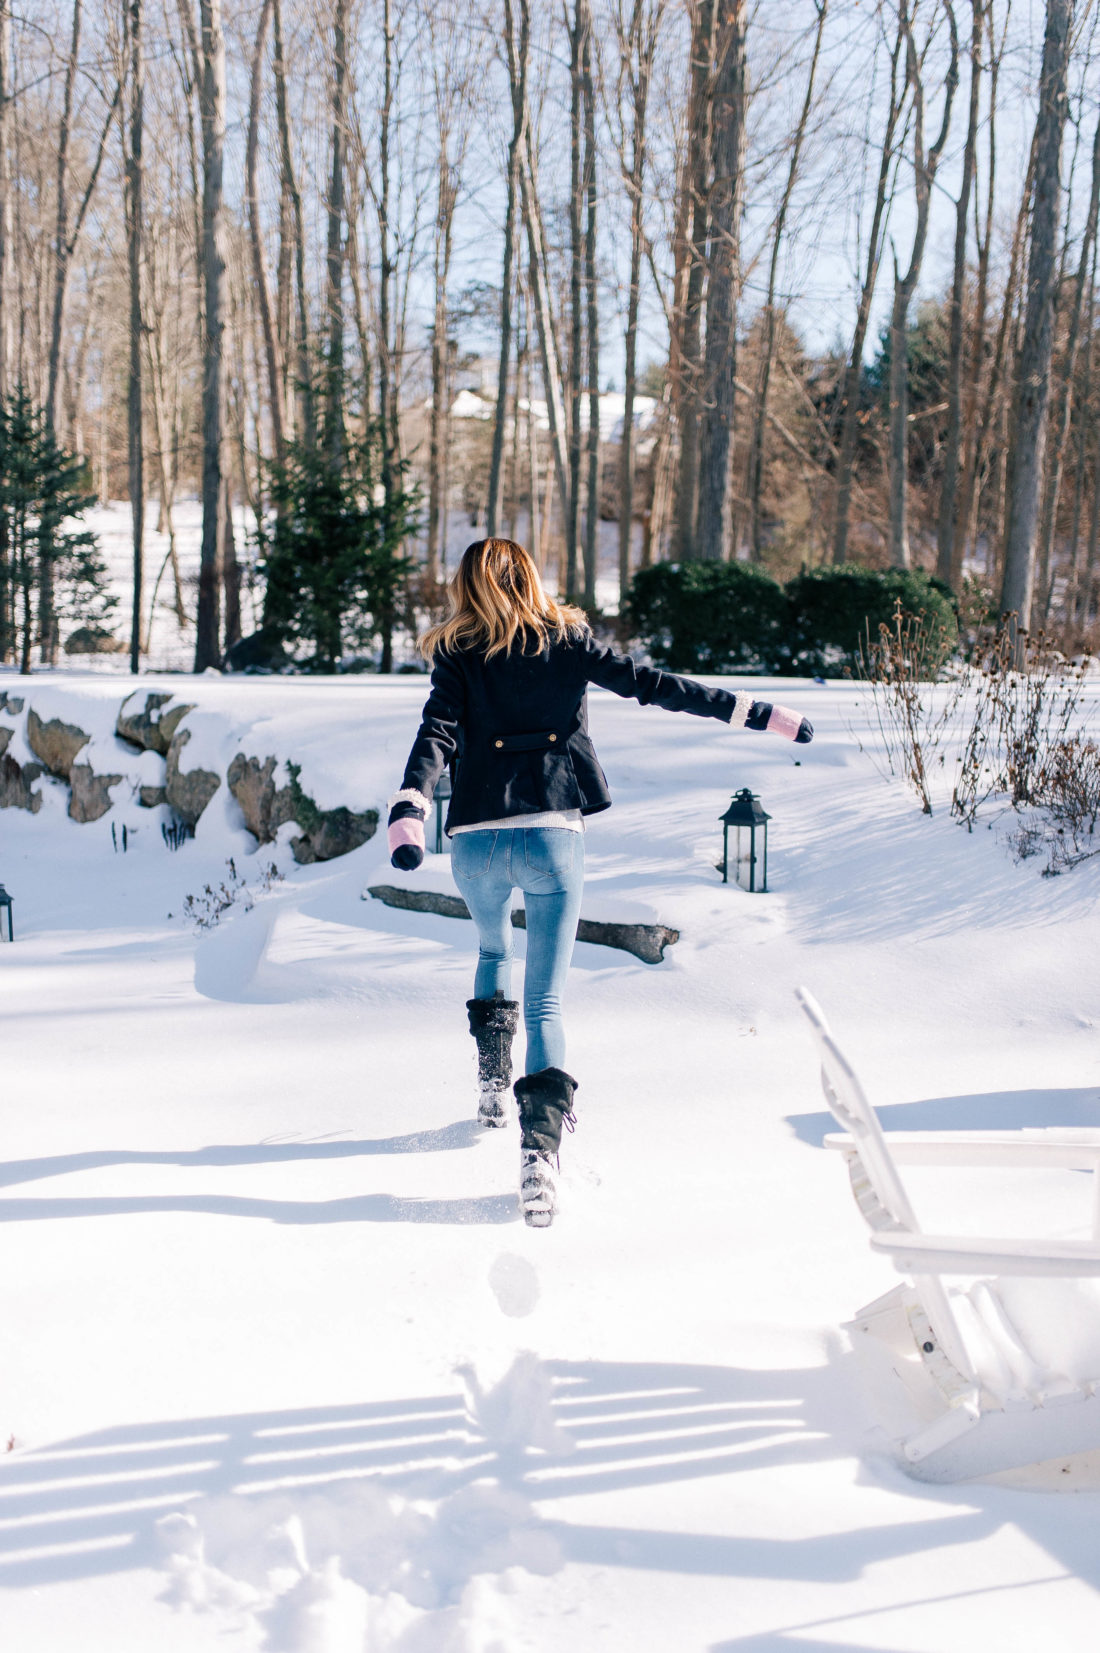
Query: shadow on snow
{"points": [[89, 1506], [983, 1111]]}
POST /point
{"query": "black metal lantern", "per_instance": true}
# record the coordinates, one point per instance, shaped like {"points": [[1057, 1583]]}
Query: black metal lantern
{"points": [[442, 797], [5, 907], [750, 850]]}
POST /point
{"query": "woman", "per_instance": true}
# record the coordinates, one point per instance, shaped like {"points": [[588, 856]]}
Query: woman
{"points": [[507, 713]]}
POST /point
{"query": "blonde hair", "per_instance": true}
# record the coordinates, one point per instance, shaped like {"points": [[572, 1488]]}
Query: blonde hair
{"points": [[496, 596]]}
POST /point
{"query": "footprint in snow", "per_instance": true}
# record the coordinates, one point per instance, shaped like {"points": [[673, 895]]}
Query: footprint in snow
{"points": [[515, 1285]]}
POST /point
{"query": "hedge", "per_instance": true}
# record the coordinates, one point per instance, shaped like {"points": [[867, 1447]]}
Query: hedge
{"points": [[831, 611], [732, 617], [708, 616]]}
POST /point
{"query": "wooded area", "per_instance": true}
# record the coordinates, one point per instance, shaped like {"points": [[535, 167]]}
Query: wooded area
{"points": [[634, 280]]}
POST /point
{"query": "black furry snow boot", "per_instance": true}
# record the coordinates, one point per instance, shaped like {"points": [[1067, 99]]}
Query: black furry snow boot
{"points": [[493, 1024], [545, 1105]]}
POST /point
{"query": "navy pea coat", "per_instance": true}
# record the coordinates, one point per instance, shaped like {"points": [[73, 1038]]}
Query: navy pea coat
{"points": [[514, 729]]}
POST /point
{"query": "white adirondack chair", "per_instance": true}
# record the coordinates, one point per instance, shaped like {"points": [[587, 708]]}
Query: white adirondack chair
{"points": [[1002, 1369]]}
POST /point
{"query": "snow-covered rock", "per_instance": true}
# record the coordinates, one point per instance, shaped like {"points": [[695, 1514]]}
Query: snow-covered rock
{"points": [[55, 743], [188, 791]]}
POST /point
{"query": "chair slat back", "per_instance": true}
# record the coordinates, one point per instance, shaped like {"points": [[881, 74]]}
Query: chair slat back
{"points": [[885, 1203], [890, 1207]]}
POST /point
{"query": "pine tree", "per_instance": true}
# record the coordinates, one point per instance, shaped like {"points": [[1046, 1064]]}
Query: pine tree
{"points": [[42, 498], [333, 550]]}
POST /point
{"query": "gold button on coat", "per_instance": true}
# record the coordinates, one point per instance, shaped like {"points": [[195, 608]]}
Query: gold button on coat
{"points": [[553, 737], [498, 743]]}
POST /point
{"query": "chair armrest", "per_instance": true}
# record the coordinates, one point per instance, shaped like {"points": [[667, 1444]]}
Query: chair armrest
{"points": [[967, 1254], [1066, 1149]]}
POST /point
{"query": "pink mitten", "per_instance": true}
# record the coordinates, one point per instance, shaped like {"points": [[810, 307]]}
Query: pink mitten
{"points": [[408, 812], [775, 720]]}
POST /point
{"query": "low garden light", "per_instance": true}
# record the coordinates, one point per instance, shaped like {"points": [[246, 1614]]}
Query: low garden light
{"points": [[442, 799], [5, 910], [750, 846]]}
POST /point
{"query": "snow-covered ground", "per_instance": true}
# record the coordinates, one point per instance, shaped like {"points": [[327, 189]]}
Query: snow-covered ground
{"points": [[281, 1368], [172, 645]]}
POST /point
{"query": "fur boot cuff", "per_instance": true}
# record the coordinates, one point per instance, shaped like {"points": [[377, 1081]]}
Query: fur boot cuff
{"points": [[492, 1015]]}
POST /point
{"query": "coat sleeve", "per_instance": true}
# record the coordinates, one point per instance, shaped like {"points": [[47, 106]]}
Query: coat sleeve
{"points": [[651, 687], [437, 739]]}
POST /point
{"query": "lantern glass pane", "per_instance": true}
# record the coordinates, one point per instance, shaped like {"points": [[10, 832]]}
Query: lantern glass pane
{"points": [[745, 857]]}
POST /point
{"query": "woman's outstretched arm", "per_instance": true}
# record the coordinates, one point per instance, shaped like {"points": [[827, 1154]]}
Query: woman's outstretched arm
{"points": [[652, 687]]}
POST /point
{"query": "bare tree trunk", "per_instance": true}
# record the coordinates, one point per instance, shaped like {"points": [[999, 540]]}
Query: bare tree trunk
{"points": [[167, 368], [512, 491], [451, 69], [334, 260], [23, 313], [768, 345], [387, 389], [5, 199], [284, 307], [1083, 400], [849, 398], [132, 24], [534, 515], [61, 235], [688, 377], [984, 438], [1064, 406], [65, 239], [76, 375], [231, 570], [723, 284], [307, 422], [166, 435], [445, 465], [1032, 393], [46, 620], [579, 34], [1086, 590], [518, 55], [592, 321], [924, 168], [637, 46], [208, 629], [500, 411], [661, 493], [103, 478], [165, 474], [946, 562], [385, 259], [355, 278], [544, 319], [190, 73], [966, 504], [445, 206], [272, 349]]}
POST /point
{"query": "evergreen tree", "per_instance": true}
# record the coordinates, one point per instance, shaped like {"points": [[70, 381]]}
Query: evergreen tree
{"points": [[42, 498], [333, 550]]}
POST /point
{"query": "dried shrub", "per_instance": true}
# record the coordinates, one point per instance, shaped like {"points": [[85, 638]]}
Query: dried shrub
{"points": [[1027, 840], [1070, 793], [1011, 719], [207, 909], [900, 666], [1023, 698]]}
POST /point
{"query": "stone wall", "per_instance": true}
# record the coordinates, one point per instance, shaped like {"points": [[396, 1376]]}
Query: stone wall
{"points": [[158, 727]]}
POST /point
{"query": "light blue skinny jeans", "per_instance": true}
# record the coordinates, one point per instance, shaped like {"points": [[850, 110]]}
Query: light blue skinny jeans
{"points": [[547, 864]]}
